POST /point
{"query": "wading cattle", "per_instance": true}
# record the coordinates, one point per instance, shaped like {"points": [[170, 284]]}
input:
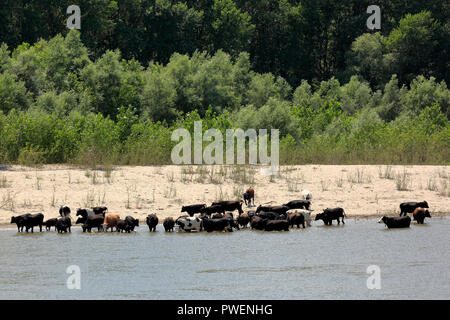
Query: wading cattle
{"points": [[267, 215], [50, 223], [64, 211], [19, 221], [243, 220], [193, 209], [276, 225], [168, 224], [258, 223], [127, 225], [275, 209], [189, 224], [110, 221], [63, 224], [409, 207], [211, 225], [298, 204], [296, 218], [249, 196], [152, 222], [396, 222], [420, 214], [29, 221], [91, 221], [230, 205], [328, 215]]}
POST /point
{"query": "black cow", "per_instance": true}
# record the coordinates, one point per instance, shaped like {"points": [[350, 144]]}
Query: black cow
{"points": [[100, 210], [276, 225], [212, 209], [409, 207], [127, 225], [258, 223], [19, 221], [420, 214], [328, 215], [64, 211], [168, 224], [298, 204], [91, 221], [85, 212], [277, 209], [63, 224], [396, 222], [50, 223], [29, 221], [230, 205], [152, 221], [267, 215], [210, 225], [193, 209]]}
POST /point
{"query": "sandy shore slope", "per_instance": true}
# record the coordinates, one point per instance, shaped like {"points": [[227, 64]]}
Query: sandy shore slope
{"points": [[363, 191]]}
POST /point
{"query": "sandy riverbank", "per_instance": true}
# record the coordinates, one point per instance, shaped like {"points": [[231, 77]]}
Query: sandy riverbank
{"points": [[363, 191]]}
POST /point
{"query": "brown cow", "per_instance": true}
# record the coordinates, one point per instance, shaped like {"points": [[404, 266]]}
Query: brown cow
{"points": [[249, 195], [420, 214], [111, 221], [295, 218]]}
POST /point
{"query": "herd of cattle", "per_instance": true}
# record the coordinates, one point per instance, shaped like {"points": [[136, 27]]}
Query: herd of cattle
{"points": [[219, 216]]}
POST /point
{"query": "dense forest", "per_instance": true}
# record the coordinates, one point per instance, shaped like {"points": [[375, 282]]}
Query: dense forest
{"points": [[113, 91]]}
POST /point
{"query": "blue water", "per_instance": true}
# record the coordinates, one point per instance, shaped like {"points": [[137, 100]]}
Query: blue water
{"points": [[316, 263]]}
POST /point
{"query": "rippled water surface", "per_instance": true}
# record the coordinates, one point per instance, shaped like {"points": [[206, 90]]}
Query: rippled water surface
{"points": [[317, 263]]}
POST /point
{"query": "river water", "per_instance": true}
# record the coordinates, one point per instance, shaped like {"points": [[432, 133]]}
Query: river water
{"points": [[320, 262]]}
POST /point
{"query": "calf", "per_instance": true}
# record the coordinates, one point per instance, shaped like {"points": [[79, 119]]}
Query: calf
{"points": [[409, 207], [189, 224], [296, 218], [63, 224], [152, 222], [193, 209], [168, 224], [230, 205], [50, 223], [110, 221], [298, 204], [64, 211], [248, 196], [420, 214], [276, 225], [328, 215], [396, 222]]}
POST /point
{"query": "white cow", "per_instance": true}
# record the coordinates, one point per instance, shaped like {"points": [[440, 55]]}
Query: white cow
{"points": [[189, 224], [306, 194]]}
